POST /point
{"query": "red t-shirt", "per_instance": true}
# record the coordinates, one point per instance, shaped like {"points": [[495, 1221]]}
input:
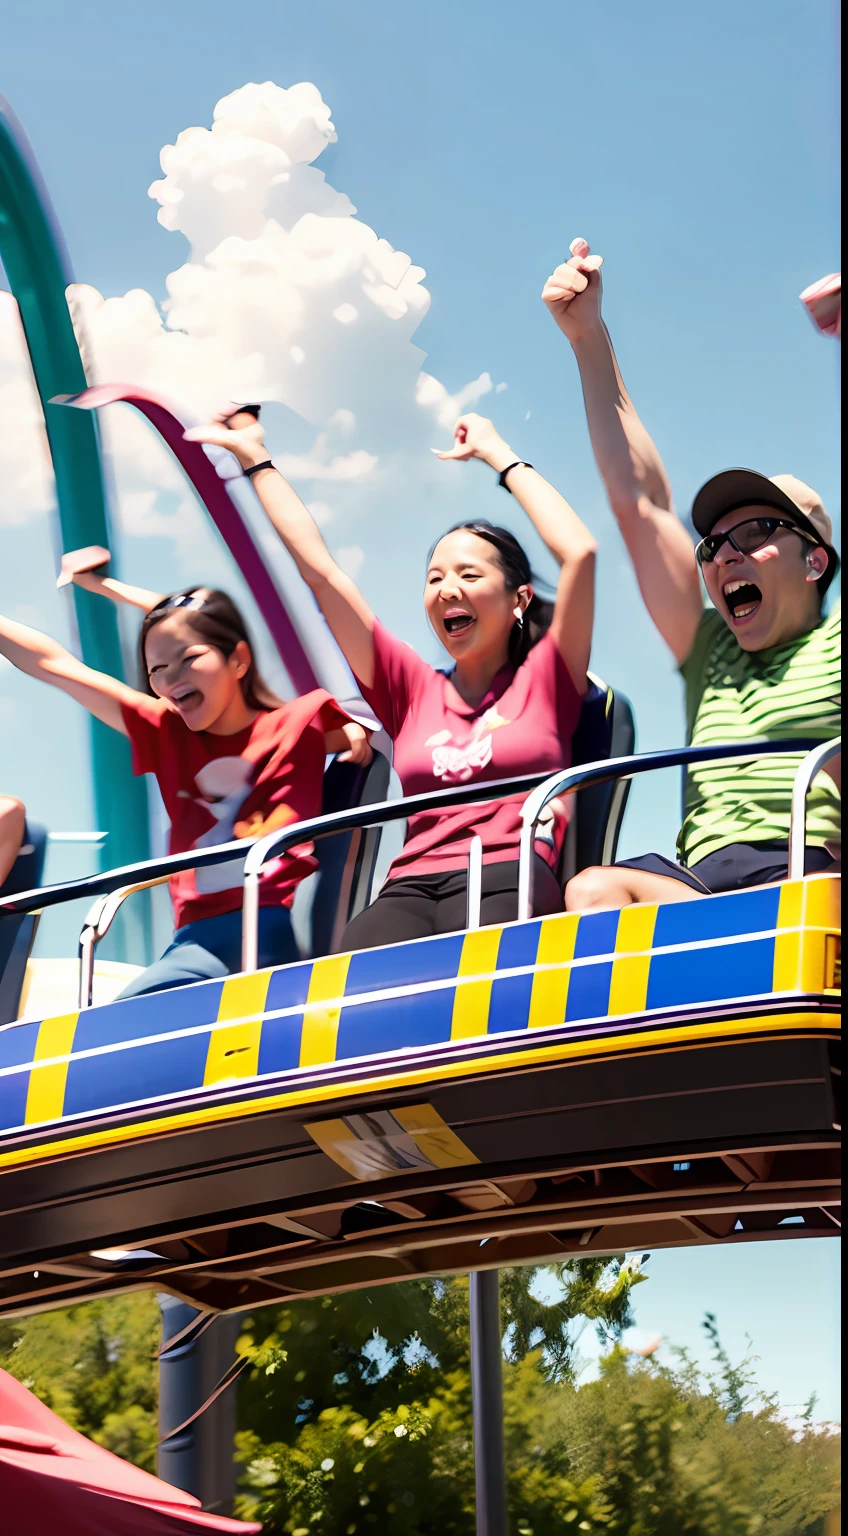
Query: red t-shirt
{"points": [[218, 788], [523, 725]]}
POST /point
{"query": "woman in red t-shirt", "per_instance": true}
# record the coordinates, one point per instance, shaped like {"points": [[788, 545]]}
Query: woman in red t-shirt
{"points": [[509, 705], [231, 761]]}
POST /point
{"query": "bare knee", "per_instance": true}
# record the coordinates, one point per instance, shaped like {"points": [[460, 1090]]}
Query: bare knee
{"points": [[12, 827], [598, 886], [12, 817]]}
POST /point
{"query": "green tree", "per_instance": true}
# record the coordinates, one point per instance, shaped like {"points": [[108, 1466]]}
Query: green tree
{"points": [[95, 1366], [646, 1450]]}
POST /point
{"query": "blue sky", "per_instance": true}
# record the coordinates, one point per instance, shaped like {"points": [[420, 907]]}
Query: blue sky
{"points": [[695, 147]]}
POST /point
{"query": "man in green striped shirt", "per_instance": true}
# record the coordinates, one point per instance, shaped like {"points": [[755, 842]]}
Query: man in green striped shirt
{"points": [[761, 664]]}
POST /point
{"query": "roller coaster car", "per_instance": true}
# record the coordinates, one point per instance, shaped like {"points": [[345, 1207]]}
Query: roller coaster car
{"points": [[655, 1076]]}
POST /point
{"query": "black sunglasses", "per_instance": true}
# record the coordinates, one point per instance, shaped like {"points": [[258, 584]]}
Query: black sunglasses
{"points": [[747, 536]]}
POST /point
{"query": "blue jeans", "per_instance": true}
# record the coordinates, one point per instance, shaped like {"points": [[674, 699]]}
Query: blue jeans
{"points": [[211, 948]]}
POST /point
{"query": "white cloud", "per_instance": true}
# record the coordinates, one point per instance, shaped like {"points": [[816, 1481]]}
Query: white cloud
{"points": [[430, 392], [348, 466], [286, 296], [343, 419], [351, 558], [321, 513]]}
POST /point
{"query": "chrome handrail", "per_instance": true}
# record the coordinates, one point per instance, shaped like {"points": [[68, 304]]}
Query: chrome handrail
{"points": [[121, 882], [277, 843], [812, 764], [474, 889], [619, 768], [99, 920], [544, 787]]}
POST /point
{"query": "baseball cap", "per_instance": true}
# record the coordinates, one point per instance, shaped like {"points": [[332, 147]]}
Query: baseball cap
{"points": [[735, 489]]}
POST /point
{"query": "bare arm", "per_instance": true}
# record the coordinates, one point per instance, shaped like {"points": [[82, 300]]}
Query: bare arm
{"points": [[47, 660], [567, 538], [340, 600], [118, 591], [630, 466]]}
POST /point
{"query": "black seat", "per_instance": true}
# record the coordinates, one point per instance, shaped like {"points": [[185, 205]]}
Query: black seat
{"points": [[17, 934], [342, 885], [606, 728]]}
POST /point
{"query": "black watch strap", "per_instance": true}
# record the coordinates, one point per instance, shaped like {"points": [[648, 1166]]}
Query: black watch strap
{"points": [[516, 464]]}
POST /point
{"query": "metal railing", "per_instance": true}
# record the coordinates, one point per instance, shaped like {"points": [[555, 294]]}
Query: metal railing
{"points": [[114, 886], [812, 764], [628, 767]]}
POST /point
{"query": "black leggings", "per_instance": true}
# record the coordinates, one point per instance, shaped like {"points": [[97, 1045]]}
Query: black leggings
{"points": [[422, 905]]}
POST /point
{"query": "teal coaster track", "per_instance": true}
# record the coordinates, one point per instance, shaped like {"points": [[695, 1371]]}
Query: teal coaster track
{"points": [[39, 271]]}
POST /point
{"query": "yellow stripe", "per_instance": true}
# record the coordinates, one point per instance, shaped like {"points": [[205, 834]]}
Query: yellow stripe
{"points": [[629, 982], [320, 1022], [471, 999], [46, 1092], [234, 1052], [787, 946], [682, 1038], [339, 1142], [822, 922], [433, 1136], [557, 938]]}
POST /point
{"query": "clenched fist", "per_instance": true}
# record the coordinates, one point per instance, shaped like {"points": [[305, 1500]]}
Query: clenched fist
{"points": [[573, 292]]}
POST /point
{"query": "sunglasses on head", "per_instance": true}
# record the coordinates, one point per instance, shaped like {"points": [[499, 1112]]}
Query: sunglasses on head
{"points": [[746, 537]]}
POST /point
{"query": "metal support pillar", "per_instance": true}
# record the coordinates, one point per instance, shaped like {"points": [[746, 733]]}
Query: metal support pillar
{"points": [[487, 1403], [200, 1458]]}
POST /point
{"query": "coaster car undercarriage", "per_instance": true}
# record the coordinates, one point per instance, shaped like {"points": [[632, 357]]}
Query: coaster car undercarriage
{"points": [[658, 1076]]}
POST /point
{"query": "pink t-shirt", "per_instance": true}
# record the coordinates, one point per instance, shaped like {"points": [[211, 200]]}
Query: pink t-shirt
{"points": [[523, 725]]}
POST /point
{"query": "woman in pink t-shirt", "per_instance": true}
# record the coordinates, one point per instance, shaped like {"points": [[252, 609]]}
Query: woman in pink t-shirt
{"points": [[509, 705]]}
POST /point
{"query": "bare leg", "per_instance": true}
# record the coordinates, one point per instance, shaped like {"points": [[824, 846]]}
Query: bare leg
{"points": [[611, 885], [12, 818]]}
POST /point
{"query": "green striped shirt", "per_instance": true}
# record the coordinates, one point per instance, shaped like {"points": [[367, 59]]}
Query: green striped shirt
{"points": [[736, 695]]}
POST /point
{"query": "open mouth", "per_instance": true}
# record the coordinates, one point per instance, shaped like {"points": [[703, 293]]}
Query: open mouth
{"points": [[188, 700], [743, 599], [458, 623]]}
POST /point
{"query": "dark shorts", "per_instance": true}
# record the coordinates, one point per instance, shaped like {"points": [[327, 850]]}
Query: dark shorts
{"points": [[422, 905], [732, 868]]}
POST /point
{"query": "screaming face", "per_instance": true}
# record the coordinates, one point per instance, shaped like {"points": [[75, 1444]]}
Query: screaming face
{"points": [[196, 679], [766, 596], [467, 601]]}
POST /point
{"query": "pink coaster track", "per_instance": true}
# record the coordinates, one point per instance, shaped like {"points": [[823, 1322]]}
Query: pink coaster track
{"points": [[222, 510]]}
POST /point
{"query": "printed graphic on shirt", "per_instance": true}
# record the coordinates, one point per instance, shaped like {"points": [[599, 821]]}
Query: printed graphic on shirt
{"points": [[454, 762], [224, 785]]}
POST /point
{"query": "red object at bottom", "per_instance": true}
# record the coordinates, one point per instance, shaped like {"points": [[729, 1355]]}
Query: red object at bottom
{"points": [[53, 1480]]}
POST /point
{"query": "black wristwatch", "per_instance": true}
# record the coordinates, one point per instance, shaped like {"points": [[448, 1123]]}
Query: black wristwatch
{"points": [[516, 464]]}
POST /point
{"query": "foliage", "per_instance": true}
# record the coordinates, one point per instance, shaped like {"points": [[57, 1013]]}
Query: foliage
{"points": [[95, 1366], [646, 1450], [355, 1415]]}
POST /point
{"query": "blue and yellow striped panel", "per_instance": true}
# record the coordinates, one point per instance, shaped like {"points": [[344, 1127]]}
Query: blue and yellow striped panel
{"points": [[591, 971]]}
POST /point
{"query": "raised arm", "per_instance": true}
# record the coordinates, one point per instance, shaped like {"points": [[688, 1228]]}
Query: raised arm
{"points": [[47, 660], [631, 468], [86, 568], [340, 600], [567, 538], [118, 591]]}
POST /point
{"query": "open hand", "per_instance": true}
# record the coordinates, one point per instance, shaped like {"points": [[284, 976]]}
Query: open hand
{"points": [[573, 292], [358, 746], [236, 430], [475, 437]]}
